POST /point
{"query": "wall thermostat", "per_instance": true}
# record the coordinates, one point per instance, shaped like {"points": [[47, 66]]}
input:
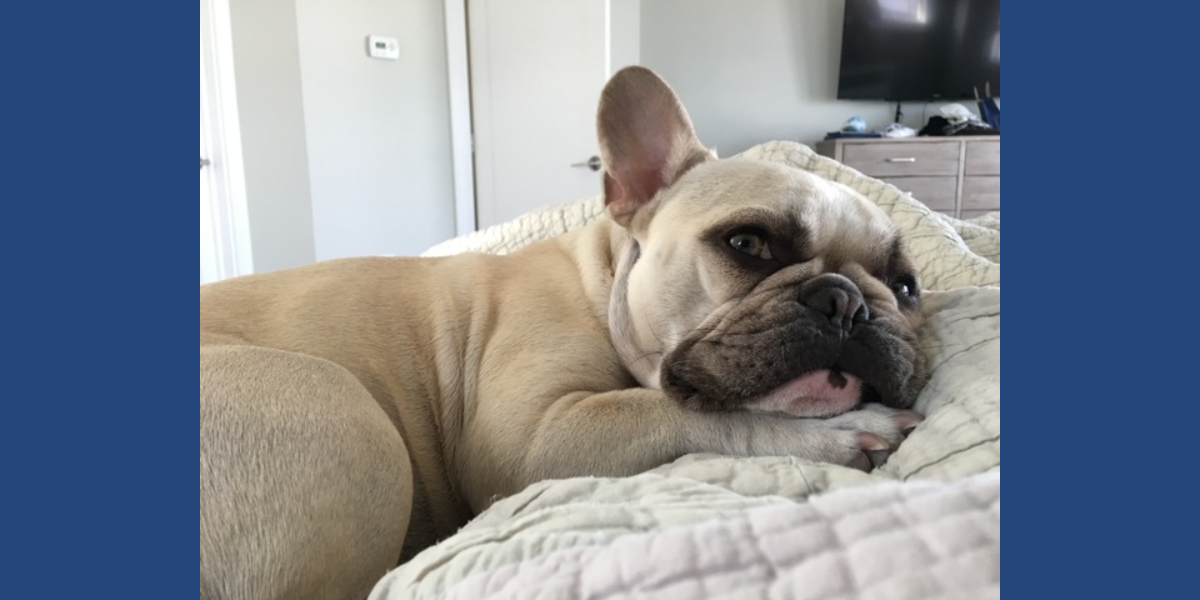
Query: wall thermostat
{"points": [[380, 46]]}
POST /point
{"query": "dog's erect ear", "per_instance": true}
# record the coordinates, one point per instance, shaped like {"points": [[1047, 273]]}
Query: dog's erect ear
{"points": [[646, 140]]}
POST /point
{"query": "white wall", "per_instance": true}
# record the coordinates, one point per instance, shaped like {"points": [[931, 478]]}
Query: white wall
{"points": [[759, 70], [344, 155], [348, 155], [378, 130], [625, 30], [271, 115]]}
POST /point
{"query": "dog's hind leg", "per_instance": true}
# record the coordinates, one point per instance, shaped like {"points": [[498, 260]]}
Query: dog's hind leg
{"points": [[305, 485]]}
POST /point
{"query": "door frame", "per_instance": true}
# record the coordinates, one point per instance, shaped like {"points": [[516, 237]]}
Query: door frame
{"points": [[462, 139], [230, 216], [462, 142]]}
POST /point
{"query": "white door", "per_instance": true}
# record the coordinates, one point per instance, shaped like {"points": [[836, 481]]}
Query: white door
{"points": [[209, 271], [537, 69], [224, 220]]}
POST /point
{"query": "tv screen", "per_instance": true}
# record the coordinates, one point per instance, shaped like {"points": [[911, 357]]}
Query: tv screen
{"points": [[919, 49]]}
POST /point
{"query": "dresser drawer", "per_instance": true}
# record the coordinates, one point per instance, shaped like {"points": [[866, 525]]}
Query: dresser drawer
{"points": [[899, 159], [981, 193], [983, 158], [935, 192], [971, 214]]}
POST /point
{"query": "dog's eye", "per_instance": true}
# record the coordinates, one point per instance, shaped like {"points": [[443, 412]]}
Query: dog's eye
{"points": [[905, 287], [750, 243]]}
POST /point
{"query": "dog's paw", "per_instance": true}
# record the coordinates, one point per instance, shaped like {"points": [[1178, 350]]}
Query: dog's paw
{"points": [[877, 431]]}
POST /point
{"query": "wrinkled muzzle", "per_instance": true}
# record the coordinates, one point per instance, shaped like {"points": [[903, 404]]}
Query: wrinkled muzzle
{"points": [[816, 348]]}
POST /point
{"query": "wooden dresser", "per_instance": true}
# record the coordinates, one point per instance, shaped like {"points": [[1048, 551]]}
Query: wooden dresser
{"points": [[958, 176]]}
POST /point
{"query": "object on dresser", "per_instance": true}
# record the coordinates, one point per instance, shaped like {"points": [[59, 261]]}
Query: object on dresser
{"points": [[988, 108], [854, 125], [896, 130], [956, 120], [838, 135]]}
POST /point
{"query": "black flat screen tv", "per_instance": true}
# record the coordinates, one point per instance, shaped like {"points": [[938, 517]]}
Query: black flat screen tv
{"points": [[906, 50]]}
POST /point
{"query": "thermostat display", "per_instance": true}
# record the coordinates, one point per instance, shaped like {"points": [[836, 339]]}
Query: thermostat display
{"points": [[379, 46]]}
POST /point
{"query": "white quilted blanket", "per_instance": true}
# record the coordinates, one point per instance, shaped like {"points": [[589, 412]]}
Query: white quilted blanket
{"points": [[924, 525]]}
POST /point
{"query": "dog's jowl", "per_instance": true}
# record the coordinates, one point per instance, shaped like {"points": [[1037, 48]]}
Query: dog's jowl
{"points": [[355, 411]]}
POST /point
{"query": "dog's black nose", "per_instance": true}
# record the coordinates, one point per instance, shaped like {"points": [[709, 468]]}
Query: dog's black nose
{"points": [[836, 297]]}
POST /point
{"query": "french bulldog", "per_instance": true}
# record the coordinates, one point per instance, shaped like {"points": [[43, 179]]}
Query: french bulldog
{"points": [[354, 412]]}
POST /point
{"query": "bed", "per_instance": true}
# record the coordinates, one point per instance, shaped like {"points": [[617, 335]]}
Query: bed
{"points": [[924, 525]]}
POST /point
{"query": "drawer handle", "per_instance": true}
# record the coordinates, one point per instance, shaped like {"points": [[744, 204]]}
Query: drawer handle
{"points": [[902, 159]]}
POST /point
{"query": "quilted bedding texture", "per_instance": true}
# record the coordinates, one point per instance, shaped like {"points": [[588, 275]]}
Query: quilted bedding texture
{"points": [[924, 525]]}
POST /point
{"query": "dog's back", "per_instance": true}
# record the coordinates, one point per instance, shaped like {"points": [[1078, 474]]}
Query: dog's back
{"points": [[320, 380]]}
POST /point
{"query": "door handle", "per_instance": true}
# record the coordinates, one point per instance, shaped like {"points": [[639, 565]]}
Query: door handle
{"points": [[592, 163], [204, 163]]}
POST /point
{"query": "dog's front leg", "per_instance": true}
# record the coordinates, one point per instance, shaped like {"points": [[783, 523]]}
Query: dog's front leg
{"points": [[626, 432]]}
